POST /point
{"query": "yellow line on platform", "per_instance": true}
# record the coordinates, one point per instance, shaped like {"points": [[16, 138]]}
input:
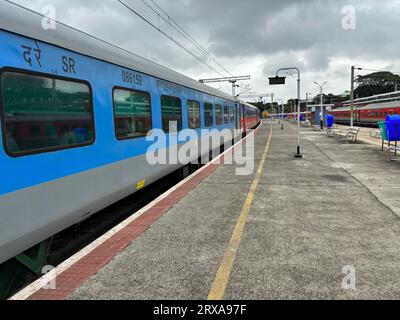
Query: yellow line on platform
{"points": [[221, 280]]}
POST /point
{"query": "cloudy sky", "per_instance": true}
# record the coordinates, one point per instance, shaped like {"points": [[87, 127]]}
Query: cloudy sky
{"points": [[254, 37]]}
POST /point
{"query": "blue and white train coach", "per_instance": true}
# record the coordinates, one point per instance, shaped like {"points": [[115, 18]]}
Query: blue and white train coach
{"points": [[75, 112]]}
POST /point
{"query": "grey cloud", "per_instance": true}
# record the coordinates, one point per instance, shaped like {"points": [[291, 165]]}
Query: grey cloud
{"points": [[281, 32]]}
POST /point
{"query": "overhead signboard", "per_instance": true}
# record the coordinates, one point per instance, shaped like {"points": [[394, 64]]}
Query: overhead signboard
{"points": [[277, 81]]}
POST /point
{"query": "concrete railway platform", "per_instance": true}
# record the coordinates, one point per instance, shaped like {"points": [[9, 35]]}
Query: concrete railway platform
{"points": [[323, 227]]}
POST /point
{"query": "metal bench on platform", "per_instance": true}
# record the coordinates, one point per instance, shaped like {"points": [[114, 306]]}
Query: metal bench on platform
{"points": [[350, 134], [394, 149], [306, 123], [330, 131], [375, 134]]}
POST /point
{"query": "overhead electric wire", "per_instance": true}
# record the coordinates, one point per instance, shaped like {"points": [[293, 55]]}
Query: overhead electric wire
{"points": [[181, 30], [187, 35], [120, 48], [171, 22], [169, 37], [83, 32], [245, 90]]}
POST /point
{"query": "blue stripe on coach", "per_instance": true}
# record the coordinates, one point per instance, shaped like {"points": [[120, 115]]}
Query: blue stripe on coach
{"points": [[27, 171]]}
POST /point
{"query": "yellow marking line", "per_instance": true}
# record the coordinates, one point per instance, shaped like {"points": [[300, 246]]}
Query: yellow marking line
{"points": [[220, 283]]}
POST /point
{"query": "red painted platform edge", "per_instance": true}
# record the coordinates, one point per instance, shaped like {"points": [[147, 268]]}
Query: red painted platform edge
{"points": [[80, 272]]}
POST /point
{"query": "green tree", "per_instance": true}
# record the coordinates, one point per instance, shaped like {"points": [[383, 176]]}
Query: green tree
{"points": [[376, 83]]}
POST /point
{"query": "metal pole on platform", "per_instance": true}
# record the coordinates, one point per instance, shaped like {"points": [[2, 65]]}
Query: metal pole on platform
{"points": [[353, 68], [322, 109], [352, 97], [282, 111], [298, 155], [272, 104], [280, 81], [293, 106], [321, 103], [307, 106]]}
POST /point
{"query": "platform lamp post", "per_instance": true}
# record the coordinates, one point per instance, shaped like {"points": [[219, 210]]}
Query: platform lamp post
{"points": [[283, 111], [321, 103], [277, 80], [308, 95], [272, 104], [293, 106]]}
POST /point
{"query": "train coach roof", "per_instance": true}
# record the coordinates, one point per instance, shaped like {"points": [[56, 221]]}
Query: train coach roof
{"points": [[343, 109], [28, 23], [247, 104], [381, 105]]}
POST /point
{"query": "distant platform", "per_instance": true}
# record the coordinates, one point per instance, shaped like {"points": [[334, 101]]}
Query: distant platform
{"points": [[291, 230]]}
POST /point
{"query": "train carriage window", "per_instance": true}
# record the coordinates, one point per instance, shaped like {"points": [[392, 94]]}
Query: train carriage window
{"points": [[43, 114], [218, 114], [232, 114], [226, 114], [193, 114], [132, 113], [171, 111], [208, 115]]}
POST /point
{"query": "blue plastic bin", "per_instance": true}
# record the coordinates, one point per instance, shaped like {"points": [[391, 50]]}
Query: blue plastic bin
{"points": [[330, 120], [393, 127]]}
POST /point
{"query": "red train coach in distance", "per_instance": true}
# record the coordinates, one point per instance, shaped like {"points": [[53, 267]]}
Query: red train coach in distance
{"points": [[370, 110]]}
